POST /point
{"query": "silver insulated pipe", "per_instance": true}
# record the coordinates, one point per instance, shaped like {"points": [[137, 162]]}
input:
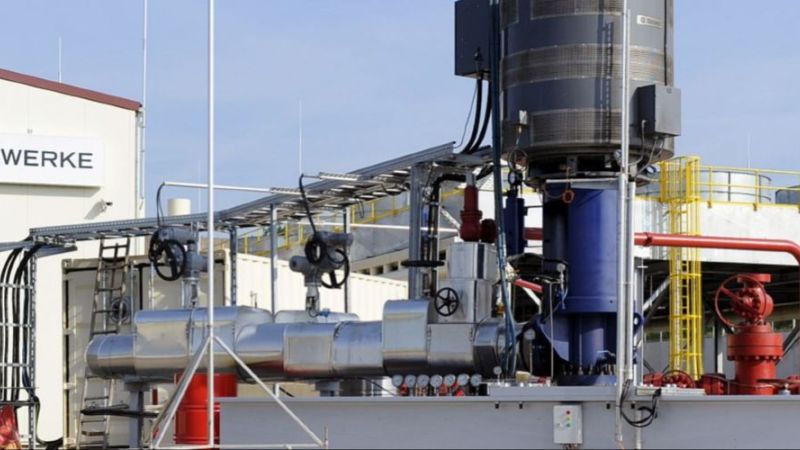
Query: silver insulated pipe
{"points": [[412, 338], [405, 342]]}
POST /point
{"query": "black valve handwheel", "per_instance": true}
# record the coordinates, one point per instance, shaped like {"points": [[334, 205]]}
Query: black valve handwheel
{"points": [[446, 302]]}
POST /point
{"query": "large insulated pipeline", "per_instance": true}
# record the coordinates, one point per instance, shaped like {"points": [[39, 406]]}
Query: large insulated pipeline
{"points": [[404, 342]]}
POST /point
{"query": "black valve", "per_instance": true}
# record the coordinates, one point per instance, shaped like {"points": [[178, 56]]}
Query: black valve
{"points": [[446, 302]]}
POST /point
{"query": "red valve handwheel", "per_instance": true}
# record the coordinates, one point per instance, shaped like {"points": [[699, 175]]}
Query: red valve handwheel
{"points": [[750, 301]]}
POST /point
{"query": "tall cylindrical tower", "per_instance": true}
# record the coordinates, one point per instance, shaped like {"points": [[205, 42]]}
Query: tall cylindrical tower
{"points": [[562, 76], [561, 80]]}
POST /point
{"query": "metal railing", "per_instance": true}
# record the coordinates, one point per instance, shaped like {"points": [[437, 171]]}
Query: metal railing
{"points": [[749, 187], [295, 234]]}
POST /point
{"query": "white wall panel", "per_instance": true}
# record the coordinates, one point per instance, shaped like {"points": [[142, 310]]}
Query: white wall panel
{"points": [[29, 110]]}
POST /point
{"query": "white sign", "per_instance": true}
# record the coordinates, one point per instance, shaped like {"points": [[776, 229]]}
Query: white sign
{"points": [[51, 160]]}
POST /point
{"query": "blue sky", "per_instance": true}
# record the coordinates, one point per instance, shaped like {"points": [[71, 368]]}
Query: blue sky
{"points": [[375, 78]]}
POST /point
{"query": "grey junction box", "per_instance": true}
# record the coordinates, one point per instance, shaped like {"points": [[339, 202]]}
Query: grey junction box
{"points": [[660, 107], [473, 38]]}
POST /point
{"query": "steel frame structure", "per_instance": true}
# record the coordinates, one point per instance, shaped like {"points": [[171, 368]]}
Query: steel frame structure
{"points": [[330, 193], [379, 180]]}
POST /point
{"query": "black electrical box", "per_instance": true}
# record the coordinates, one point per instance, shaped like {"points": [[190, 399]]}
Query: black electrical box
{"points": [[660, 108], [473, 38]]}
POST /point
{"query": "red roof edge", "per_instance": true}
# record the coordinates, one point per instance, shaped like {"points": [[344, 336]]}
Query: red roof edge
{"points": [[67, 89]]}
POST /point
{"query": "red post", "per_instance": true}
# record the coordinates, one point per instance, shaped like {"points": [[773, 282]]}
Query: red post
{"points": [[191, 424]]}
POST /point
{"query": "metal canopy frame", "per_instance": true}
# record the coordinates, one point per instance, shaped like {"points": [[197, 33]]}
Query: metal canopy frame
{"points": [[379, 180], [332, 193]]}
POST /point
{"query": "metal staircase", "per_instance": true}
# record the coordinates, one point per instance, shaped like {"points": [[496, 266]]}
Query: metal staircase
{"points": [[110, 309], [680, 192]]}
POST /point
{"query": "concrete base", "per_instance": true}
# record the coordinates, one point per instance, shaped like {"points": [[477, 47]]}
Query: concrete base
{"points": [[513, 417]]}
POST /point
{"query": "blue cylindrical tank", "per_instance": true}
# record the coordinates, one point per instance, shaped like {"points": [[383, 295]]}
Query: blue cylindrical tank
{"points": [[592, 251], [583, 235]]}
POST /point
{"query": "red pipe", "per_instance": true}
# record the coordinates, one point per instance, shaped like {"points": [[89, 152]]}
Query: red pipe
{"points": [[528, 285], [718, 242], [533, 234]]}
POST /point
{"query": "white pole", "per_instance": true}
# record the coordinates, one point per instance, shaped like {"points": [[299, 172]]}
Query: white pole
{"points": [[300, 138], [59, 59], [210, 254], [622, 236], [143, 122], [630, 272]]}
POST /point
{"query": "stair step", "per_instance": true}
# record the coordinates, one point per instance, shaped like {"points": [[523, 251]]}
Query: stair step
{"points": [[103, 332], [93, 433], [92, 420], [109, 289]]}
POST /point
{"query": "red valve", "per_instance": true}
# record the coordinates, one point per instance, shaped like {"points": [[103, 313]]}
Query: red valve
{"points": [[674, 377], [754, 347], [750, 301], [678, 378]]}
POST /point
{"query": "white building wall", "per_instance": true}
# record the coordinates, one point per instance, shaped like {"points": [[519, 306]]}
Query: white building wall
{"points": [[367, 293], [28, 110]]}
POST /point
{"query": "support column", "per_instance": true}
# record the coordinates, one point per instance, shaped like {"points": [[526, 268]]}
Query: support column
{"points": [[346, 219], [273, 258], [234, 254], [415, 279]]}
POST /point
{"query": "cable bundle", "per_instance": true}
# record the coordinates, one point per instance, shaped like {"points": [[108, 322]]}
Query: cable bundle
{"points": [[16, 312]]}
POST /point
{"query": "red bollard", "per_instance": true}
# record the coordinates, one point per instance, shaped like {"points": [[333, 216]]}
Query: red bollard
{"points": [[191, 418]]}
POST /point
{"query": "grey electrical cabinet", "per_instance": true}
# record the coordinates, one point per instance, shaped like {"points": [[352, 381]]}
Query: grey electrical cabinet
{"points": [[473, 38], [660, 108]]}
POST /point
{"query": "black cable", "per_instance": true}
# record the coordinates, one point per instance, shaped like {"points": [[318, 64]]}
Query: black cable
{"points": [[477, 122], [469, 114], [37, 406], [288, 394], [17, 333], [159, 208], [20, 313], [486, 115], [307, 207], [651, 411], [315, 249], [23, 312], [5, 278]]}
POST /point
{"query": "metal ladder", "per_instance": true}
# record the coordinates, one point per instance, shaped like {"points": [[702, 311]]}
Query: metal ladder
{"points": [[109, 311], [680, 192]]}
